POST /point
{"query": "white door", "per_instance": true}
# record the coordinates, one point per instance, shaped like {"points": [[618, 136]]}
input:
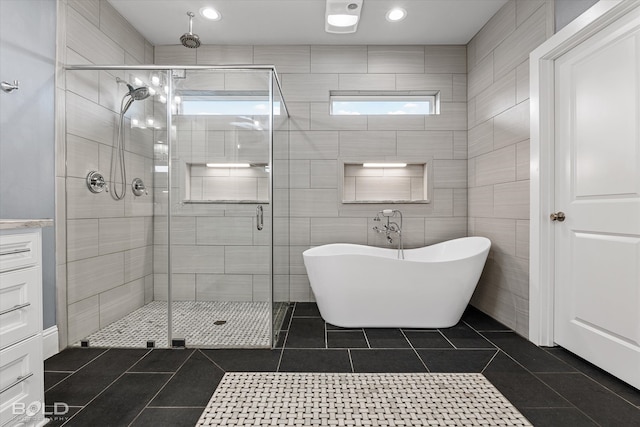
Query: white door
{"points": [[597, 175]]}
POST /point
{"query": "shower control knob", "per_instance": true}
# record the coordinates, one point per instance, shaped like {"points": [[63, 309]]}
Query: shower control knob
{"points": [[138, 187], [557, 216], [96, 182]]}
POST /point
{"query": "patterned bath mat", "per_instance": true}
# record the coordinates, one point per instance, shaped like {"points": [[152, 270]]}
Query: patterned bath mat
{"points": [[310, 399]]}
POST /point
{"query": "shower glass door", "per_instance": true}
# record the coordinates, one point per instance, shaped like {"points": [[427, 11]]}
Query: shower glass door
{"points": [[220, 221]]}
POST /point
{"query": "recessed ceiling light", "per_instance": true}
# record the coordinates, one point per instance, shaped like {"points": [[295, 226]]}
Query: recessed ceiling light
{"points": [[210, 13], [396, 14]]}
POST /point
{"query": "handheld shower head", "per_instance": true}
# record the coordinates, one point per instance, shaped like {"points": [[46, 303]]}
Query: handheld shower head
{"points": [[134, 94], [137, 94], [190, 40], [140, 93]]}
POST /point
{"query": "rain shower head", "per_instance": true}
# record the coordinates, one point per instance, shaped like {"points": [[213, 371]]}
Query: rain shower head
{"points": [[189, 39]]}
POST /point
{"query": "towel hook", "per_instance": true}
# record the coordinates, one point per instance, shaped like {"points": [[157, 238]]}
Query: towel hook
{"points": [[9, 87]]}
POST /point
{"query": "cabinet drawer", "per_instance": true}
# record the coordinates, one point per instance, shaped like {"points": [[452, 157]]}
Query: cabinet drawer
{"points": [[19, 250], [21, 381], [19, 305]]}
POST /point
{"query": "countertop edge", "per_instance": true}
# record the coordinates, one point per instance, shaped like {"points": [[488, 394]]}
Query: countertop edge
{"points": [[14, 224]]}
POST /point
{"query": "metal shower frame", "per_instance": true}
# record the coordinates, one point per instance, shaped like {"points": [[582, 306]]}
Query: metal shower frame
{"points": [[169, 70]]}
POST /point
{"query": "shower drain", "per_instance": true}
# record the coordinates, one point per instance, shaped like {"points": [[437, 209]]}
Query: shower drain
{"points": [[219, 322]]}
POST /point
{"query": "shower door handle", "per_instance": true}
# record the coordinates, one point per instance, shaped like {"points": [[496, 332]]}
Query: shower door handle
{"points": [[259, 217]]}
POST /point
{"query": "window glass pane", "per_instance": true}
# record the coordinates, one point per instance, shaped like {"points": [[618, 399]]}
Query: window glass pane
{"points": [[380, 104], [347, 108]]}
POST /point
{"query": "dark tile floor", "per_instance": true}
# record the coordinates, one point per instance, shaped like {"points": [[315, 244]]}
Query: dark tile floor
{"points": [[121, 387]]}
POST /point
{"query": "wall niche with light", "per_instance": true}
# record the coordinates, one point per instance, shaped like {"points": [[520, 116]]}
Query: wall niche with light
{"points": [[226, 183], [388, 181]]}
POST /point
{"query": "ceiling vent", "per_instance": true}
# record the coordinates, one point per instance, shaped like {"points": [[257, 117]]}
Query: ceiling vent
{"points": [[342, 16]]}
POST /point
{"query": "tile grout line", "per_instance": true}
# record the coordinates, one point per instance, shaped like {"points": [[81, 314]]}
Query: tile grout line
{"points": [[351, 361], [366, 338], [571, 403], [210, 359], [532, 374], [527, 370], [489, 362], [448, 340], [326, 337], [286, 336], [104, 389], [415, 351], [76, 371], [589, 376], [163, 386]]}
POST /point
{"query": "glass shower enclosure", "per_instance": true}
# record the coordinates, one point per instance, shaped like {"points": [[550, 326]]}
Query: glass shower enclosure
{"points": [[177, 233]]}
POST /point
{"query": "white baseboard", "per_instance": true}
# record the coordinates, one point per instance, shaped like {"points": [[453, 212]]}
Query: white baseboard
{"points": [[50, 342]]}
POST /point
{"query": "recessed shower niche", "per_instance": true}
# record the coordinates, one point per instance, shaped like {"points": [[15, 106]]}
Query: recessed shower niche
{"points": [[226, 183], [389, 181]]}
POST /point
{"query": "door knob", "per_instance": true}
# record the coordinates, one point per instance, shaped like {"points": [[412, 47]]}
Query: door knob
{"points": [[557, 216]]}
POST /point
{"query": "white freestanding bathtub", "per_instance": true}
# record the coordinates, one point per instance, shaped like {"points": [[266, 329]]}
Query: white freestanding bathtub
{"points": [[359, 286]]}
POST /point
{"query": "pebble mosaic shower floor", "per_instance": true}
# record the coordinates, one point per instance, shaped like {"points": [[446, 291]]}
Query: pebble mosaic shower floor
{"points": [[324, 399], [246, 325]]}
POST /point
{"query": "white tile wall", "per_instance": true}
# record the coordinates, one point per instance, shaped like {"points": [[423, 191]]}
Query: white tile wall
{"points": [[84, 318], [223, 54], [338, 59], [138, 263], [445, 59], [338, 230], [246, 259], [306, 175], [183, 287], [82, 239], [91, 276], [435, 144], [395, 59], [87, 40], [117, 28], [499, 27], [118, 302], [373, 144], [498, 97], [108, 243], [224, 287], [224, 231], [498, 165], [366, 82], [287, 59], [511, 126], [90, 9], [198, 259]]}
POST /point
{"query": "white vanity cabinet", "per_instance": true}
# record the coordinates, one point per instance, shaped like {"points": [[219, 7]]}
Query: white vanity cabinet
{"points": [[21, 360]]}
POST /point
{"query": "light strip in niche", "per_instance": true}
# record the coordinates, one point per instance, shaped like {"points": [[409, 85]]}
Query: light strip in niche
{"points": [[228, 165], [384, 165]]}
